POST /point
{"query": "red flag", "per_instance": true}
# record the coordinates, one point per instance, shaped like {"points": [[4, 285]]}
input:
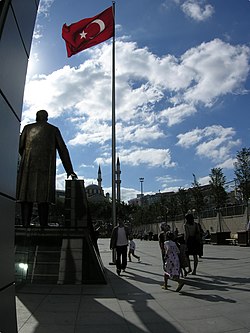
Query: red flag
{"points": [[88, 32]]}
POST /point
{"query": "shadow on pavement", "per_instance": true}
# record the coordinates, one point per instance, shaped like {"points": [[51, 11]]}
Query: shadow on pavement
{"points": [[93, 310]]}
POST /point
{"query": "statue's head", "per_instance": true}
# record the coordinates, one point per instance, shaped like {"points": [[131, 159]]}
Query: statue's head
{"points": [[42, 115]]}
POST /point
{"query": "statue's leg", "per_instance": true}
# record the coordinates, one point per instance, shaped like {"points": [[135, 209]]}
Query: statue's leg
{"points": [[26, 212], [43, 212]]}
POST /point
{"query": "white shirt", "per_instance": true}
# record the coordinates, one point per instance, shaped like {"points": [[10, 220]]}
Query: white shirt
{"points": [[131, 245], [121, 237]]}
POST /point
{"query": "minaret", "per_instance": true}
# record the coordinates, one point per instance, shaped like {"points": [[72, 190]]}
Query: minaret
{"points": [[118, 180], [99, 179]]}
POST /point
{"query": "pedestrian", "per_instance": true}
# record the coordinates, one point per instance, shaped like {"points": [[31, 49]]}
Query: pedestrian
{"points": [[176, 233], [172, 262], [248, 226], [192, 239], [201, 240], [162, 238], [119, 242], [184, 263], [131, 250]]}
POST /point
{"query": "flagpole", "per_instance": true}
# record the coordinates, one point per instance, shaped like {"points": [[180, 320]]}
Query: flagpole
{"points": [[113, 128], [113, 259]]}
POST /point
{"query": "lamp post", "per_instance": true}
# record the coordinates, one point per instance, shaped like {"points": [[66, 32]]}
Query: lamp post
{"points": [[141, 181]]}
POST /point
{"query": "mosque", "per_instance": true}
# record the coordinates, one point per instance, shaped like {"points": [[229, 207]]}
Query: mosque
{"points": [[95, 192]]}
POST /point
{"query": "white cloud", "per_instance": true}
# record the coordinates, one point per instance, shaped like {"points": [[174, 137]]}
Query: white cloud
{"points": [[227, 164], [43, 12], [201, 76], [138, 133], [203, 180], [167, 182], [197, 10], [175, 115], [151, 157], [150, 91], [217, 68], [213, 142], [60, 181], [127, 193], [44, 7]]}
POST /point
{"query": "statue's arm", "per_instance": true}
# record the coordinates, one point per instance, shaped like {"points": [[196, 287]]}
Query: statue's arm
{"points": [[64, 155]]}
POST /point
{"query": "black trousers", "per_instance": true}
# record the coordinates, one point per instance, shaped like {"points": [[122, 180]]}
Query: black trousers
{"points": [[121, 257]]}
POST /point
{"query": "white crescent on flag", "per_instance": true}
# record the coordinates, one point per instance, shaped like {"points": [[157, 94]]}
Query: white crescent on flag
{"points": [[101, 26]]}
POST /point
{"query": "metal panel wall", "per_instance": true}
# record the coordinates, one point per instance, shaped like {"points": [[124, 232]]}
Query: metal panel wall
{"points": [[15, 40]]}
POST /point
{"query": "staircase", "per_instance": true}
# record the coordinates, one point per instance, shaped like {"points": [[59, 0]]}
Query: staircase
{"points": [[57, 256], [43, 265]]}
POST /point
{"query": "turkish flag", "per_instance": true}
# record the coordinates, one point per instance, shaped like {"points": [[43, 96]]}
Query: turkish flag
{"points": [[88, 32]]}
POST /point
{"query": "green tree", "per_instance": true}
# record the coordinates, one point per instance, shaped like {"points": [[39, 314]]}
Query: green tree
{"points": [[198, 197], [242, 173], [217, 182], [172, 204], [183, 199]]}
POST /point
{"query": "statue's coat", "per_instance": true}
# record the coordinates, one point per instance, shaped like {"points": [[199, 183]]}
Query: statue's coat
{"points": [[37, 171]]}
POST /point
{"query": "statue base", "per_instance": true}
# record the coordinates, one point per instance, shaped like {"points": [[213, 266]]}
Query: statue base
{"points": [[57, 255]]}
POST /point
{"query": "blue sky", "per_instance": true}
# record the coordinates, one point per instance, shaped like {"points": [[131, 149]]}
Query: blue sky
{"points": [[182, 90]]}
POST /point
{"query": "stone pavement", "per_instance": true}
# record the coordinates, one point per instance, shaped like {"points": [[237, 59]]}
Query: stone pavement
{"points": [[217, 299]]}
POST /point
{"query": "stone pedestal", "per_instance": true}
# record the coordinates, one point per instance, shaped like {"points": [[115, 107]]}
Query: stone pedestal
{"points": [[76, 205], [57, 256], [68, 255]]}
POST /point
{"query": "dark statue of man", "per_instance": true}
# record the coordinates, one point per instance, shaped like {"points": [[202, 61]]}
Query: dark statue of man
{"points": [[39, 143]]}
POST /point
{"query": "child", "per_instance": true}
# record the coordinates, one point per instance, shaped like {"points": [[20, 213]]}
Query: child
{"points": [[172, 263], [162, 238], [184, 263], [131, 250]]}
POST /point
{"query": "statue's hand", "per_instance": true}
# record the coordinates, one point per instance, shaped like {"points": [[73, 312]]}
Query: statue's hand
{"points": [[72, 175]]}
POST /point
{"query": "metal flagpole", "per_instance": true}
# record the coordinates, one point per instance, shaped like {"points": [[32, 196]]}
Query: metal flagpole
{"points": [[113, 137], [113, 129]]}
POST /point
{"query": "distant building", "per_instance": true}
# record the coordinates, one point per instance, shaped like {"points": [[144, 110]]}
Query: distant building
{"points": [[135, 201], [150, 199]]}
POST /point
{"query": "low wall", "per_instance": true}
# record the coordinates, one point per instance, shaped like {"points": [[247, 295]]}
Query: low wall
{"points": [[228, 223]]}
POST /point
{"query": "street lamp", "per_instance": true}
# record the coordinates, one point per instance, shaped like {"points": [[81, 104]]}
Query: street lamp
{"points": [[141, 181]]}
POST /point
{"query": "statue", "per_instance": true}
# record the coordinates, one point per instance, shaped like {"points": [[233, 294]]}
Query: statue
{"points": [[37, 171]]}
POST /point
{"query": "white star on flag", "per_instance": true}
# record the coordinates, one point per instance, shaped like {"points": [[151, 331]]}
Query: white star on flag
{"points": [[83, 34]]}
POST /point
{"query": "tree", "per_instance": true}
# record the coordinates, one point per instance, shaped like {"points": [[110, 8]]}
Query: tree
{"points": [[183, 200], [217, 182], [172, 206], [198, 196], [242, 172]]}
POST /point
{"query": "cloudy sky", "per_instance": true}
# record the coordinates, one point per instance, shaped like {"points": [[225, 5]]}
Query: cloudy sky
{"points": [[182, 90]]}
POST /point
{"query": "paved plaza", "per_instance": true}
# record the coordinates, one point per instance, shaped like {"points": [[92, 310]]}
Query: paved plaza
{"points": [[217, 299]]}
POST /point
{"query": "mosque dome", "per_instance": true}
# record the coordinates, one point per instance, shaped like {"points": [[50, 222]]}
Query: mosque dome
{"points": [[93, 189]]}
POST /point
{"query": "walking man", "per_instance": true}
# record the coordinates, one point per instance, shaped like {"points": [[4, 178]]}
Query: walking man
{"points": [[119, 241]]}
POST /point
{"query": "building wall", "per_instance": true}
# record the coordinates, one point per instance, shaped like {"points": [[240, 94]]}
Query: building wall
{"points": [[17, 19]]}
